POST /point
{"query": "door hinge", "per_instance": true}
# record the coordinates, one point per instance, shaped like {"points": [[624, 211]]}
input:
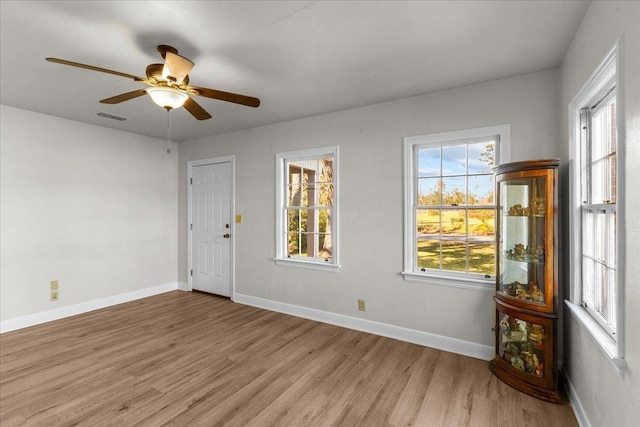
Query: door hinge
{"points": [[191, 181], [190, 226], [191, 273]]}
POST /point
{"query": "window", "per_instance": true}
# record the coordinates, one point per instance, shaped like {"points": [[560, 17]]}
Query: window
{"points": [[598, 189], [307, 216], [597, 210], [450, 207]]}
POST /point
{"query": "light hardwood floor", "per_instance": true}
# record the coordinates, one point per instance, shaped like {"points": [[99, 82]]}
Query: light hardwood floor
{"points": [[194, 359]]}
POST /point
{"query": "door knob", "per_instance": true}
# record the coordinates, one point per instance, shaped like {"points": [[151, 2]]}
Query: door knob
{"points": [[226, 236]]}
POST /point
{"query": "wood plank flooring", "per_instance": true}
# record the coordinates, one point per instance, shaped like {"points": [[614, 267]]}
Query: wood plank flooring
{"points": [[192, 359]]}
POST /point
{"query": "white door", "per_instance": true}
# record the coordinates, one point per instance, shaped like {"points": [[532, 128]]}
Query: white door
{"points": [[211, 228]]}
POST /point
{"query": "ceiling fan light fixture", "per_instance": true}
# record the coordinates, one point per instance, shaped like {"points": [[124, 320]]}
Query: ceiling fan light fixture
{"points": [[167, 97]]}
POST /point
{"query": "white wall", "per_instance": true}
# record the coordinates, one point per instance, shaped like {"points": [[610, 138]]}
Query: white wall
{"points": [[91, 207], [606, 398], [371, 204]]}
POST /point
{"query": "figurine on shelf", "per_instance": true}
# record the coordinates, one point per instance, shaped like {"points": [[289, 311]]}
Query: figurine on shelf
{"points": [[518, 251], [504, 325], [535, 293], [526, 212], [540, 371], [517, 363], [537, 335], [540, 254], [530, 366], [508, 254], [527, 254], [538, 206], [512, 349], [510, 288], [515, 210]]}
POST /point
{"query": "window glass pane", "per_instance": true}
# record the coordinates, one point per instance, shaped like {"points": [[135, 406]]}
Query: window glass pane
{"points": [[600, 294], [294, 220], [323, 221], [600, 233], [481, 189], [429, 192], [482, 257], [454, 222], [429, 161], [454, 160], [297, 244], [481, 222], [613, 240], [299, 195], [598, 184], [481, 157], [454, 255], [428, 222], [588, 271], [324, 245], [454, 191], [611, 302], [428, 251], [325, 195], [587, 232], [613, 179]]}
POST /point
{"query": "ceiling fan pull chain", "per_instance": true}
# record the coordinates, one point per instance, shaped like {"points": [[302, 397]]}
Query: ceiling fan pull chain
{"points": [[169, 130]]}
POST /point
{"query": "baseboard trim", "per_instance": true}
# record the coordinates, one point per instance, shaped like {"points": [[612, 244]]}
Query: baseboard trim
{"points": [[453, 345], [84, 307], [576, 404]]}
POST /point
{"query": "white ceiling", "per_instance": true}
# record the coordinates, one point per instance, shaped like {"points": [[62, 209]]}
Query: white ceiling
{"points": [[301, 58]]}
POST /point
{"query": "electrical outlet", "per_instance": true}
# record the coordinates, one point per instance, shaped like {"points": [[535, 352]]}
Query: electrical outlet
{"points": [[54, 295], [54, 285], [361, 305]]}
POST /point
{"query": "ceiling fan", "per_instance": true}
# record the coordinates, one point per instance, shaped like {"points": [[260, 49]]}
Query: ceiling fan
{"points": [[169, 85]]}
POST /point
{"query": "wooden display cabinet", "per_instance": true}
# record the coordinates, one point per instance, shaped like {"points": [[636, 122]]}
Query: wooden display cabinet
{"points": [[527, 277]]}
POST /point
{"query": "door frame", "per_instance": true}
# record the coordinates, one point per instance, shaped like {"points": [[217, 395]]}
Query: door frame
{"points": [[232, 202]]}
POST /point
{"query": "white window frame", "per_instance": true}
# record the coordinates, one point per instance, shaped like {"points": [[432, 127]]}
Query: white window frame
{"points": [[441, 278], [605, 76], [281, 257]]}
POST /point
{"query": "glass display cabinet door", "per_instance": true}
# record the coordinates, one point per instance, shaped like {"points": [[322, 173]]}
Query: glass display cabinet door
{"points": [[525, 356], [523, 246], [522, 345]]}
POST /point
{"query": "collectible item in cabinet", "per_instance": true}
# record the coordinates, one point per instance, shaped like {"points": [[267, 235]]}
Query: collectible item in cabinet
{"points": [[527, 277]]}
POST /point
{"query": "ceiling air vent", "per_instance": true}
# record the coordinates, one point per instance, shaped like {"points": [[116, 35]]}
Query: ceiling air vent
{"points": [[111, 116]]}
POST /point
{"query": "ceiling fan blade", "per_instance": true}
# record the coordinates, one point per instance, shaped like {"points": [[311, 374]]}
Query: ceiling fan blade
{"points": [[124, 97], [196, 110], [176, 67], [249, 101], [91, 67]]}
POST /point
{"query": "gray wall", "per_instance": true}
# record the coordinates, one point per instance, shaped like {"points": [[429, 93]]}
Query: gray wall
{"points": [[371, 201], [91, 207], [606, 398]]}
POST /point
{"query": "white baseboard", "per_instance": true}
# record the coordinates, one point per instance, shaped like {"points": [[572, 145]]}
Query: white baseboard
{"points": [[84, 307], [453, 345], [576, 404], [183, 286]]}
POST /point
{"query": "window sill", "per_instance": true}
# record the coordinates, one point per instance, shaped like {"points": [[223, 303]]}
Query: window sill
{"points": [[608, 346], [308, 265], [457, 282]]}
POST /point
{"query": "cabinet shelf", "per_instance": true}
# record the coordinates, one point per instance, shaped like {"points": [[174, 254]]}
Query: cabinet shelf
{"points": [[524, 261], [526, 278]]}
